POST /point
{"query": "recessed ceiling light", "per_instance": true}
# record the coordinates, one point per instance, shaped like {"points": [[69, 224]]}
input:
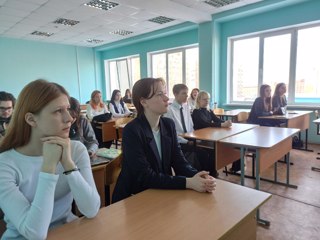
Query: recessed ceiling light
{"points": [[67, 22], [220, 3], [91, 40], [121, 32], [43, 34], [161, 20], [102, 4]]}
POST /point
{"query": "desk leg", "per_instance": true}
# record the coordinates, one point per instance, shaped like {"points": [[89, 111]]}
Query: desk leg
{"points": [[242, 153], [259, 220], [306, 143]]}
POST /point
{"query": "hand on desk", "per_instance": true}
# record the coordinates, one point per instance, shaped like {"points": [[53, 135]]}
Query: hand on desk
{"points": [[201, 182], [226, 124]]}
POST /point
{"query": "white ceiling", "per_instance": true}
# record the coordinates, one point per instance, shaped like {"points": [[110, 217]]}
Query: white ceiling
{"points": [[19, 18]]}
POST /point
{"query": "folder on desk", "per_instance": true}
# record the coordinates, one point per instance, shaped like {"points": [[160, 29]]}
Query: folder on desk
{"points": [[110, 153]]}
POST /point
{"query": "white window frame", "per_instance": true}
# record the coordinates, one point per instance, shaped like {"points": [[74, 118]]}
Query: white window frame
{"points": [[167, 52], [107, 72], [293, 58]]}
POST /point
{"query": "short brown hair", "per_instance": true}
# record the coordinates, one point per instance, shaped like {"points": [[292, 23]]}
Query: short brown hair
{"points": [[33, 98], [179, 87], [144, 88]]}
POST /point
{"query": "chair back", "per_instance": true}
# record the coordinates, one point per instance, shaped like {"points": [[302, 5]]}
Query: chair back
{"points": [[243, 117], [113, 170], [218, 111], [109, 132]]}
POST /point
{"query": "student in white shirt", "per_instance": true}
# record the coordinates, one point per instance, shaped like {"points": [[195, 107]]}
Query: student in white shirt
{"points": [[117, 107], [42, 171], [96, 106], [178, 109], [179, 112]]}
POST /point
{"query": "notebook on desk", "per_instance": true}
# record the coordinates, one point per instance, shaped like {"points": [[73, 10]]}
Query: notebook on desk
{"points": [[98, 161], [110, 153]]}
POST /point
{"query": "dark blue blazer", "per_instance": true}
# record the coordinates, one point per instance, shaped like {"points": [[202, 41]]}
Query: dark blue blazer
{"points": [[142, 167]]}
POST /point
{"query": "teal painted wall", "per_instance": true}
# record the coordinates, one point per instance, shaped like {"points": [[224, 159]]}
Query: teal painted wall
{"points": [[142, 48], [23, 61]]}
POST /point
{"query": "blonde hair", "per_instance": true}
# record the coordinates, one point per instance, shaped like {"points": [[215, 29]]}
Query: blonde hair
{"points": [[201, 95], [33, 98]]}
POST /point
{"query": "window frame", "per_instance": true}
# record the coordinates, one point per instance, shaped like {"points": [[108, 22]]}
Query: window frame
{"points": [[293, 30], [181, 49], [128, 60]]}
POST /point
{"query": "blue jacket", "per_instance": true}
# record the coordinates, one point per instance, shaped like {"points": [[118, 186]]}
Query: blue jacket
{"points": [[142, 167]]}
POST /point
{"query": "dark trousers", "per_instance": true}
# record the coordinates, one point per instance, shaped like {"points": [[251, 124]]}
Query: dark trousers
{"points": [[202, 159]]}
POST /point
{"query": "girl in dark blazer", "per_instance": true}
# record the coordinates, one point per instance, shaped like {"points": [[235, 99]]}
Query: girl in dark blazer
{"points": [[151, 150], [262, 107], [279, 99]]}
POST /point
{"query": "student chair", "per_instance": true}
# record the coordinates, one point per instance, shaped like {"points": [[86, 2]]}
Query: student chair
{"points": [[113, 170], [242, 117]]}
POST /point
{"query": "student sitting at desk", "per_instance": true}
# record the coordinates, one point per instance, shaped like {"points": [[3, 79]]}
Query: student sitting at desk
{"points": [[96, 106], [279, 100], [117, 107], [127, 98], [262, 107], [151, 150], [42, 171], [7, 101], [204, 117], [192, 99], [81, 128]]}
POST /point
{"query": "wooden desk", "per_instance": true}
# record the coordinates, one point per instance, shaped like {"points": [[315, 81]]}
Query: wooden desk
{"points": [[105, 172], [317, 122], [216, 134], [227, 213], [295, 119], [233, 114], [270, 144]]}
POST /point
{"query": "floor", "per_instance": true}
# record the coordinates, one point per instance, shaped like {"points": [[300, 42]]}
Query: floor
{"points": [[294, 213]]}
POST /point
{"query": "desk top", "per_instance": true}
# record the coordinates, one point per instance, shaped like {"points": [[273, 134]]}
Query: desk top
{"points": [[289, 115], [168, 214], [261, 137], [215, 134], [232, 113]]}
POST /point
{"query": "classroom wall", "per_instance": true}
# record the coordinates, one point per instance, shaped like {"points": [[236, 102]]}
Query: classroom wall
{"points": [[143, 47], [73, 67]]}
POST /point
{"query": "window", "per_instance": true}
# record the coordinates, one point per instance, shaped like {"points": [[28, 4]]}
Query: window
{"points": [[177, 66], [121, 74], [291, 56]]}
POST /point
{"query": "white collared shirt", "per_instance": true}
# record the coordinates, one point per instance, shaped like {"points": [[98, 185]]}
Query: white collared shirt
{"points": [[174, 114]]}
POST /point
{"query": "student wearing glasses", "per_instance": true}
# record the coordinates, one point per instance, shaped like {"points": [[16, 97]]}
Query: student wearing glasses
{"points": [[42, 171], [7, 102], [151, 150]]}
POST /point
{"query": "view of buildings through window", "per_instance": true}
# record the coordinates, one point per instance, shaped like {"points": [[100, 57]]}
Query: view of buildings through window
{"points": [[291, 56], [177, 66]]}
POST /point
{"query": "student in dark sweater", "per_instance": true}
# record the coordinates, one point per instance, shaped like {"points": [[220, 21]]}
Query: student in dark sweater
{"points": [[204, 117], [262, 107]]}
